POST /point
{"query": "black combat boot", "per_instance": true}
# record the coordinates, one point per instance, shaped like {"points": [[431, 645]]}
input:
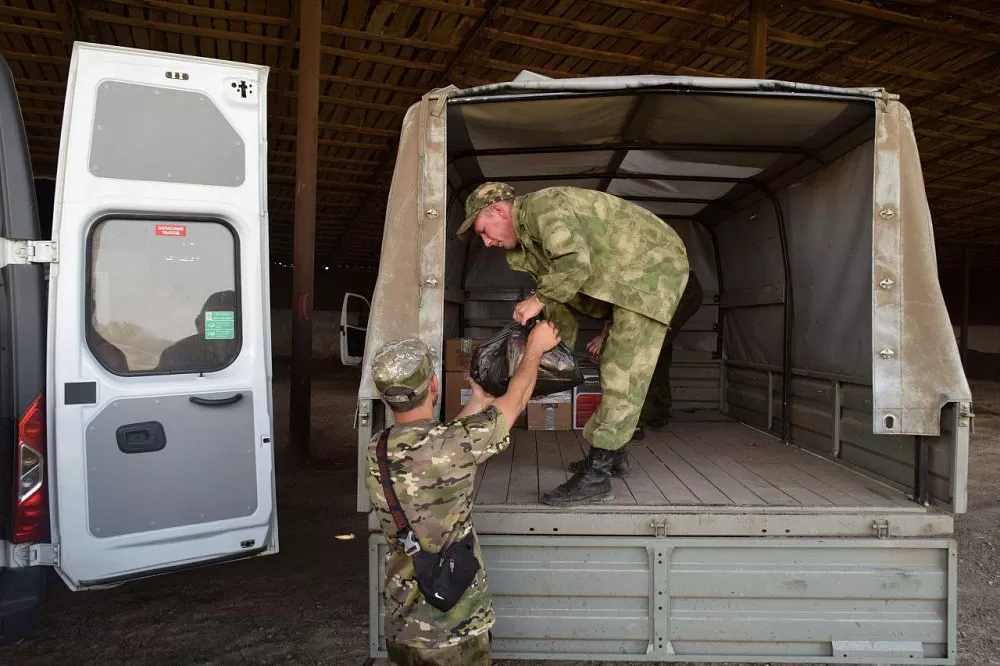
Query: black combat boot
{"points": [[620, 465], [658, 424], [592, 484]]}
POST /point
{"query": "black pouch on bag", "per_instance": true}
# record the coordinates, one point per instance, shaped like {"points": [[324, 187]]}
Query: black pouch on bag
{"points": [[444, 577]]}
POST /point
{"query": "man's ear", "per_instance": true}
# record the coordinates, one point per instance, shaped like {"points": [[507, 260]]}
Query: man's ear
{"points": [[435, 387]]}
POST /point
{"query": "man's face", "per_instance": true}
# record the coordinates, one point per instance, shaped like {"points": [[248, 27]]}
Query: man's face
{"points": [[495, 226]]}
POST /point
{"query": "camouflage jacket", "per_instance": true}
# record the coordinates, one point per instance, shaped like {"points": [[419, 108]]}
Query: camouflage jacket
{"points": [[574, 240], [433, 466]]}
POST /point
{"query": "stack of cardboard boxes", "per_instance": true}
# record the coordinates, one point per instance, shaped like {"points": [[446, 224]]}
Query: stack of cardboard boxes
{"points": [[567, 410]]}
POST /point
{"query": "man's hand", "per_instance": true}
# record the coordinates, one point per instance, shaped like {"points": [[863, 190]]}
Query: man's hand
{"points": [[479, 400], [594, 347], [528, 309], [543, 337]]}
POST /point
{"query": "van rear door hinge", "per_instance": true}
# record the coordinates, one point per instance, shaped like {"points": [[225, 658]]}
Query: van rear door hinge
{"points": [[43, 555], [27, 252], [881, 527]]}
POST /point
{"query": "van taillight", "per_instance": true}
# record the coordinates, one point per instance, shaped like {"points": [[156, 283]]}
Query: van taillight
{"points": [[31, 507]]}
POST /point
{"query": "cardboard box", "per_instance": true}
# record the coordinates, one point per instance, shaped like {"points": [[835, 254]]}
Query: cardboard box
{"points": [[550, 416], [458, 353], [586, 397], [457, 394], [551, 412]]}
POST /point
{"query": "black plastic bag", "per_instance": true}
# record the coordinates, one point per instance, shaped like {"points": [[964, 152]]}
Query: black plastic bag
{"points": [[497, 359]]}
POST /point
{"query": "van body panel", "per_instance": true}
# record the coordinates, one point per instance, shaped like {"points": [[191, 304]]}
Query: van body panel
{"points": [[160, 355]]}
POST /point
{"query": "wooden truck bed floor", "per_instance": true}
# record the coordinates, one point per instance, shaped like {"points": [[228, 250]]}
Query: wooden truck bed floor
{"points": [[717, 462]]}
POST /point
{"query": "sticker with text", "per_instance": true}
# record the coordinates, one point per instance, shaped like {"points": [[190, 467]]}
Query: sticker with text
{"points": [[171, 230]]}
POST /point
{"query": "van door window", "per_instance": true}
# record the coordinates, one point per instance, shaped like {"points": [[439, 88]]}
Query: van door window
{"points": [[164, 296]]}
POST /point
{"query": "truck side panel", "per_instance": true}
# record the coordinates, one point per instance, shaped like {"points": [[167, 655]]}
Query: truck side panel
{"points": [[678, 599]]}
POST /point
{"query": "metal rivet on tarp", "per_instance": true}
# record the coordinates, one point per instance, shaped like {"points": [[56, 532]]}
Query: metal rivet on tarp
{"points": [[431, 213], [887, 353], [886, 213], [886, 283]]}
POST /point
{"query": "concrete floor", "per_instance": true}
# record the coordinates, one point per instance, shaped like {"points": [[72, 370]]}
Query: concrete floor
{"points": [[309, 605]]}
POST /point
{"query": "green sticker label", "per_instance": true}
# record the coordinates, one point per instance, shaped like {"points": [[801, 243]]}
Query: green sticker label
{"points": [[220, 325]]}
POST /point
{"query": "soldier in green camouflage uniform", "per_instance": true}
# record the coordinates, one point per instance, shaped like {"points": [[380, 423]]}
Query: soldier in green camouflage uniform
{"points": [[598, 255], [433, 469]]}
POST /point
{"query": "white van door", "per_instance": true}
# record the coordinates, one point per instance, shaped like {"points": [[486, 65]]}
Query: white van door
{"points": [[353, 328], [159, 348]]}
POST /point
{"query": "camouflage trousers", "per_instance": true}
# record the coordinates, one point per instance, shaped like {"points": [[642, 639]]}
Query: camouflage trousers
{"points": [[473, 651], [628, 359], [659, 398]]}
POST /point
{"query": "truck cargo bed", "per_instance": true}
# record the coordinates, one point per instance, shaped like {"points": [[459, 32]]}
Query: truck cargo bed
{"points": [[707, 475]]}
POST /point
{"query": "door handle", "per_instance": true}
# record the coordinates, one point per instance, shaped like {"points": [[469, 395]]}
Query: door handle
{"points": [[216, 402], [141, 437]]}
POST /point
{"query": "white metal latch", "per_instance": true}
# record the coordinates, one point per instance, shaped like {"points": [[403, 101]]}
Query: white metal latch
{"points": [[966, 418], [659, 527], [27, 252], [881, 527], [43, 555]]}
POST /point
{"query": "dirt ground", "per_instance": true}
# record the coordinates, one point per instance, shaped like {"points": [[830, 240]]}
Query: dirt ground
{"points": [[309, 604]]}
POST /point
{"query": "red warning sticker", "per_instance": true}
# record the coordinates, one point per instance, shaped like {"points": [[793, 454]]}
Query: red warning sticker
{"points": [[171, 230]]}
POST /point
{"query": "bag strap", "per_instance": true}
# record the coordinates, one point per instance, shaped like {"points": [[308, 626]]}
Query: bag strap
{"points": [[404, 533]]}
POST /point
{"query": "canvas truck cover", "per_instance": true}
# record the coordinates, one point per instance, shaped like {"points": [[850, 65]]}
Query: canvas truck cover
{"points": [[914, 364]]}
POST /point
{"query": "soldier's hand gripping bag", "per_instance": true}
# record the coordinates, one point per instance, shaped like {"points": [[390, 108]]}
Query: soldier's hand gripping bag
{"points": [[558, 370], [497, 359], [444, 577]]}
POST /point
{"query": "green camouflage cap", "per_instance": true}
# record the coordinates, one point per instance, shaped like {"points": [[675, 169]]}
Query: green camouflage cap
{"points": [[483, 196], [402, 370]]}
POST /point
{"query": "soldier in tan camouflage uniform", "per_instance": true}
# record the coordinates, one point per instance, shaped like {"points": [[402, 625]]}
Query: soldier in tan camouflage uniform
{"points": [[604, 257], [433, 469]]}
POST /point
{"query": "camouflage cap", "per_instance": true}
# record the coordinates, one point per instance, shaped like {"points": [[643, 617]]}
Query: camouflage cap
{"points": [[402, 370], [481, 197]]}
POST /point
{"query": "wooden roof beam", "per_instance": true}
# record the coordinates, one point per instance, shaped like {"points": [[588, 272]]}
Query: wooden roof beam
{"points": [[704, 17], [340, 127], [643, 37], [375, 147], [267, 19], [960, 34], [557, 48], [361, 83], [225, 35], [757, 56]]}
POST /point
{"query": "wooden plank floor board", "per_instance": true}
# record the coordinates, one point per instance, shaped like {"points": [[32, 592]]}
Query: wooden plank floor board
{"points": [[672, 488], [732, 464], [551, 470], [703, 489], [496, 479], [837, 484], [524, 475], [734, 489], [714, 463]]}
